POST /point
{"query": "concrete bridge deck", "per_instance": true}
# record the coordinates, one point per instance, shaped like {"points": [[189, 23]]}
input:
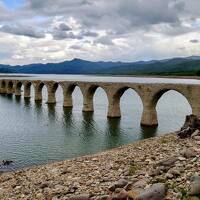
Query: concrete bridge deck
{"points": [[149, 92]]}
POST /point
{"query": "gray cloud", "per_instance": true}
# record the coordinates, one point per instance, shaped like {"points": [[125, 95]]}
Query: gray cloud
{"points": [[64, 27], [127, 29], [22, 31], [76, 47], [89, 33], [105, 40], [60, 35], [194, 41], [108, 14]]}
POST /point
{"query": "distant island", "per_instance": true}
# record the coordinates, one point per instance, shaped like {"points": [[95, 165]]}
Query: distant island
{"points": [[183, 66]]}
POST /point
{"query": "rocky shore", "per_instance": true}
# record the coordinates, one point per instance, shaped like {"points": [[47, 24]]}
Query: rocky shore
{"points": [[165, 167]]}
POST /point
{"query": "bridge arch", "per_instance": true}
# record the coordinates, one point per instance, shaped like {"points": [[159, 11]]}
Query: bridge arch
{"points": [[68, 90], [114, 100], [149, 116], [3, 87], [51, 90], [173, 104], [10, 87], [88, 97], [38, 86], [27, 89], [18, 86], [157, 95]]}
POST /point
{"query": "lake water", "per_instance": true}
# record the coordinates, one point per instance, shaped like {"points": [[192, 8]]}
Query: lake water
{"points": [[32, 133]]}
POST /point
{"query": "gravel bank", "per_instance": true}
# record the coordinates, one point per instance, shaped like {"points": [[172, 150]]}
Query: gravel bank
{"points": [[166, 159]]}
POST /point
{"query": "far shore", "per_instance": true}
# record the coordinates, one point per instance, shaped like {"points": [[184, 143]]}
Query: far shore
{"points": [[114, 75]]}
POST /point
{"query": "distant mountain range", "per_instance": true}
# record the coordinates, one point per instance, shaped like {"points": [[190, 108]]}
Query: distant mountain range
{"points": [[175, 66]]}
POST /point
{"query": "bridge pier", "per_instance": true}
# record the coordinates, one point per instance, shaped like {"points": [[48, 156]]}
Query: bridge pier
{"points": [[27, 89], [38, 91], [149, 116], [51, 89], [88, 102], [113, 107], [17, 91], [196, 108], [51, 97], [18, 88], [38, 95], [67, 102], [3, 87], [10, 87], [67, 94]]}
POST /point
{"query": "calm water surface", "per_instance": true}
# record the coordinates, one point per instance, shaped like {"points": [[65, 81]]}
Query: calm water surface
{"points": [[32, 133]]}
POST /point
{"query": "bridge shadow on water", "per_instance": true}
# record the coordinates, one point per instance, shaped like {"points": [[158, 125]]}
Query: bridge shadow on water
{"points": [[18, 99], [147, 132], [113, 132], [27, 102], [67, 118], [51, 109], [88, 123]]}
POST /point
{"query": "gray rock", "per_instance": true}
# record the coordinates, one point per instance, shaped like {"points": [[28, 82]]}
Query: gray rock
{"points": [[123, 195], [155, 172], [188, 153], [169, 162], [175, 172], [128, 186], [104, 197], [155, 192], [119, 184], [194, 185], [196, 138], [80, 197], [140, 184], [197, 132]]}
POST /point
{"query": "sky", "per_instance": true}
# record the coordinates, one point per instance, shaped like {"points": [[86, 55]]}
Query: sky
{"points": [[33, 31]]}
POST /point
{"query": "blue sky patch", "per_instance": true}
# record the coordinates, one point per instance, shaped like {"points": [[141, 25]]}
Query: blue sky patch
{"points": [[13, 4]]}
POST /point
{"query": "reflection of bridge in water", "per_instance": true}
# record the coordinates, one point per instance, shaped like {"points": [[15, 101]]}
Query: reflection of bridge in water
{"points": [[149, 93]]}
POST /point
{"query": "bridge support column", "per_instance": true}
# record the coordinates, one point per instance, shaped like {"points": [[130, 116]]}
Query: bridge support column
{"points": [[51, 97], [51, 89], [149, 116], [3, 87], [67, 102], [10, 88], [67, 95], [196, 110], [17, 92], [38, 94], [27, 90], [27, 93], [88, 103], [3, 91], [113, 108]]}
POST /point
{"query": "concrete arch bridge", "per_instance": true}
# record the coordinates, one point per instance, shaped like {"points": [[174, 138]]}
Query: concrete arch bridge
{"points": [[149, 93]]}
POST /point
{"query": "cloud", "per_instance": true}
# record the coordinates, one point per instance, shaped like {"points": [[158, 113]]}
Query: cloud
{"points": [[98, 30], [64, 27], [22, 31], [194, 41], [76, 47], [60, 35], [105, 40]]}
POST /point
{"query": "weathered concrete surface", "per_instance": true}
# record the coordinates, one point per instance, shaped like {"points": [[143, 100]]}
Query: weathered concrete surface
{"points": [[149, 93]]}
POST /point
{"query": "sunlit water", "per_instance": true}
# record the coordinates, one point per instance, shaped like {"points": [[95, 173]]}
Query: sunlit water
{"points": [[32, 134]]}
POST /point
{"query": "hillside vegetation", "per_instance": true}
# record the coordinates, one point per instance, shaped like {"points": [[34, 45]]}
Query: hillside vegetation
{"points": [[176, 66]]}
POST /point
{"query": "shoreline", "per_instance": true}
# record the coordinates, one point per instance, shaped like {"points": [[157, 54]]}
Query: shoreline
{"points": [[14, 75], [92, 175]]}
